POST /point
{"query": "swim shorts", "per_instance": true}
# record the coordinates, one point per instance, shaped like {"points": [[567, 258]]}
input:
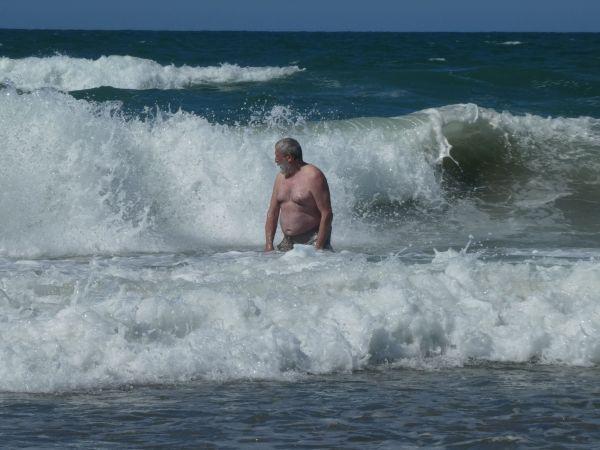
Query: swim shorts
{"points": [[308, 238]]}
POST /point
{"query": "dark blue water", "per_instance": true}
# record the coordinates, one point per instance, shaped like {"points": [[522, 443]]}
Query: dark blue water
{"points": [[502, 406], [351, 74]]}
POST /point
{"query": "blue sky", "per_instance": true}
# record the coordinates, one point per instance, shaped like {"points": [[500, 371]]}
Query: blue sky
{"points": [[307, 15]]}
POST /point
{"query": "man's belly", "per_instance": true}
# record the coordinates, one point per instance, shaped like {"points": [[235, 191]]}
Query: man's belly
{"points": [[295, 220]]}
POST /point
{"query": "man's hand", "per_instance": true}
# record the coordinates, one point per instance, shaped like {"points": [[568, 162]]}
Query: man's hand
{"points": [[320, 192], [272, 216]]}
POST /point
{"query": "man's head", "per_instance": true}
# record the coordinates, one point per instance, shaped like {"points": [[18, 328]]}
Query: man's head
{"points": [[288, 155]]}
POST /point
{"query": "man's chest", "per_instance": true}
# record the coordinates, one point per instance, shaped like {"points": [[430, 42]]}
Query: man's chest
{"points": [[294, 191]]}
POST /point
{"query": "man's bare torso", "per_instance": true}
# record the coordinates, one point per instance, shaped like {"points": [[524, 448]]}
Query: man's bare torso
{"points": [[300, 201], [299, 211]]}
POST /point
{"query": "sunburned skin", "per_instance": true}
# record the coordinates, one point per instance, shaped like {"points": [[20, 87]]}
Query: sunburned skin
{"points": [[299, 212], [300, 200]]}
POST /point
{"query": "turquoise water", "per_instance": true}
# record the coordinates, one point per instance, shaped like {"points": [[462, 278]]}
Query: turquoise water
{"points": [[461, 306]]}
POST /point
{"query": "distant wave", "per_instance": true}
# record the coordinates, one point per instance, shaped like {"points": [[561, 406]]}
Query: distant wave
{"points": [[126, 72], [437, 59], [504, 42]]}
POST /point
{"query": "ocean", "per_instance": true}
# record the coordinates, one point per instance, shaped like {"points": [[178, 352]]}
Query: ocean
{"points": [[460, 308]]}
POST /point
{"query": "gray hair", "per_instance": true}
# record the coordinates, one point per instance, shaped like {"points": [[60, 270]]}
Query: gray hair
{"points": [[289, 146]]}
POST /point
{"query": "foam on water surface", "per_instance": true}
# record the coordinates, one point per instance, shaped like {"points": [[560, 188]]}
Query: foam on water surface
{"points": [[126, 72], [78, 324]]}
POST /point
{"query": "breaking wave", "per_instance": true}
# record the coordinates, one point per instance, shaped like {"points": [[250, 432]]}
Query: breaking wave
{"points": [[98, 323], [82, 178], [126, 72], [92, 188]]}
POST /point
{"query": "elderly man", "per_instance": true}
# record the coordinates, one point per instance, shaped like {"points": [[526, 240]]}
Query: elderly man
{"points": [[301, 194]]}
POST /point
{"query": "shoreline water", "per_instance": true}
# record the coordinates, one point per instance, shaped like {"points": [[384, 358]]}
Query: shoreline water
{"points": [[507, 406]]}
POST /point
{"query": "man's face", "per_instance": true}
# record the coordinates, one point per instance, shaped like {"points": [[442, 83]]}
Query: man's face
{"points": [[283, 162]]}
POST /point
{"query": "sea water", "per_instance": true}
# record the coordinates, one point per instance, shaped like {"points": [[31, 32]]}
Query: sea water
{"points": [[461, 306]]}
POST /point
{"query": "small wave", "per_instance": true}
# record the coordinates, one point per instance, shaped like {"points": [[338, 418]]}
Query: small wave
{"points": [[511, 43], [393, 93], [437, 59], [126, 72]]}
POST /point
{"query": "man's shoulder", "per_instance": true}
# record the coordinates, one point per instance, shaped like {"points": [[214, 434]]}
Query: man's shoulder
{"points": [[313, 171]]}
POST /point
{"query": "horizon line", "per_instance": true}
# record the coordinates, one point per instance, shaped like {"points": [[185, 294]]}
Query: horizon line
{"points": [[182, 30]]}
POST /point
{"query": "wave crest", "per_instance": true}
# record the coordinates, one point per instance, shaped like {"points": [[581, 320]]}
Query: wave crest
{"points": [[79, 177], [126, 72]]}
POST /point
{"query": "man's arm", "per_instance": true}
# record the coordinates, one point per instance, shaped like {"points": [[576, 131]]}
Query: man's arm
{"points": [[272, 217], [320, 191]]}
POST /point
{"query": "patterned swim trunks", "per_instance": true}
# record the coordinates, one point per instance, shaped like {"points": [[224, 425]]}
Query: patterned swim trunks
{"points": [[308, 238]]}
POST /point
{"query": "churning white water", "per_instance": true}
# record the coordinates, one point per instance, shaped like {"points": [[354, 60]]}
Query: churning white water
{"points": [[163, 319], [130, 246], [82, 178]]}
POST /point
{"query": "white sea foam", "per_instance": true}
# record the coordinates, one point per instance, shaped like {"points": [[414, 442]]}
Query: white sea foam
{"points": [[437, 59], [78, 178], [126, 72], [511, 43], [164, 319]]}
